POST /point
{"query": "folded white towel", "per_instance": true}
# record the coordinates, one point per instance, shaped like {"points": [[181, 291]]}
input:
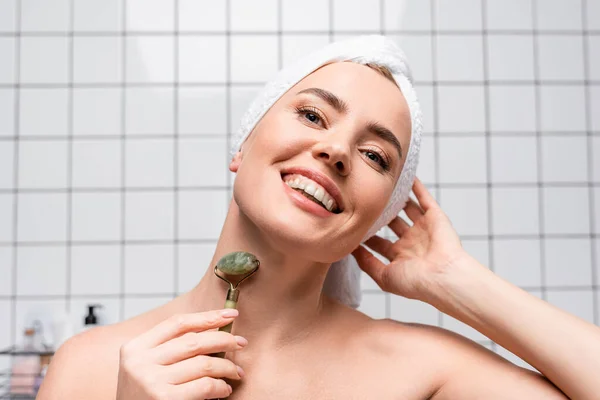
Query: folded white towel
{"points": [[343, 278]]}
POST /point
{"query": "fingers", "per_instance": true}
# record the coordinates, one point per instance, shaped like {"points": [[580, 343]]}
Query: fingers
{"points": [[398, 226], [425, 198], [201, 366], [179, 324], [413, 210], [192, 344], [203, 388], [382, 246], [368, 263]]}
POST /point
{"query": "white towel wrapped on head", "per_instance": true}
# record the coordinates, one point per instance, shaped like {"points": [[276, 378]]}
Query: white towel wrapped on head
{"points": [[343, 279]]}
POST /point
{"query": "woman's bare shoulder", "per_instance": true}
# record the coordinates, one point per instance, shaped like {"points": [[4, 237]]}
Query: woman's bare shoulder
{"points": [[87, 365]]}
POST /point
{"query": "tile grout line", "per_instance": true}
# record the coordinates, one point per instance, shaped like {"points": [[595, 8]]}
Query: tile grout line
{"points": [[435, 117], [408, 32], [538, 126], [15, 221], [590, 162], [124, 46], [387, 296], [219, 84], [488, 144], [71, 67], [175, 144]]}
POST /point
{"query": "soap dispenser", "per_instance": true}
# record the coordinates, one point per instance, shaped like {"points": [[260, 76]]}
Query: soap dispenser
{"points": [[91, 321]]}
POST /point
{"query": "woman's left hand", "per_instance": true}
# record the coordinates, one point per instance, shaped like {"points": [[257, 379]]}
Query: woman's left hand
{"points": [[422, 255]]}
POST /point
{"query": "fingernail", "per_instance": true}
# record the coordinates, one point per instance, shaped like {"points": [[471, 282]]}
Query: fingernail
{"points": [[230, 389], [230, 312], [241, 341], [241, 372]]}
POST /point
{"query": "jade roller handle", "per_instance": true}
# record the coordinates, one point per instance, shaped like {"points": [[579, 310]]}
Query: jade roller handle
{"points": [[230, 302]]}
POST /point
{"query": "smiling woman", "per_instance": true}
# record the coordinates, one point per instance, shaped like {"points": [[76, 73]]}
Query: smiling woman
{"points": [[325, 157]]}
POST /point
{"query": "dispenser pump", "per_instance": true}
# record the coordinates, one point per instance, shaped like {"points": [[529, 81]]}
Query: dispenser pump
{"points": [[90, 319]]}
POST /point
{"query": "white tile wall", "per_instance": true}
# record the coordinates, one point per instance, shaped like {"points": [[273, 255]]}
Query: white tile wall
{"points": [[510, 57], [7, 53], [518, 261], [7, 112], [149, 269], [98, 16], [515, 211], [291, 9], [462, 15], [562, 109], [7, 149], [97, 111], [509, 14], [149, 59], [566, 210], [41, 270], [513, 159], [462, 160], [512, 108], [51, 52], [461, 109], [553, 150], [202, 15], [148, 111], [43, 111], [559, 15], [262, 50], [467, 209], [95, 216], [8, 15], [95, 270], [115, 127], [6, 263], [202, 111], [43, 164], [6, 217], [254, 16], [97, 59], [459, 58], [561, 57], [45, 15], [149, 216], [568, 262], [202, 59]]}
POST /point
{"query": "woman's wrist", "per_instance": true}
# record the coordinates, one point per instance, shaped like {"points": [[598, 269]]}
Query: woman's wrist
{"points": [[459, 280]]}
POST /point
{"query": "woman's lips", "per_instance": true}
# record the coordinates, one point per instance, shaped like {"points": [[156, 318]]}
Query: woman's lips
{"points": [[306, 204]]}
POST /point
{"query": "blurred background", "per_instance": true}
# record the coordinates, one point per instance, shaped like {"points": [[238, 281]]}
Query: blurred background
{"points": [[116, 117]]}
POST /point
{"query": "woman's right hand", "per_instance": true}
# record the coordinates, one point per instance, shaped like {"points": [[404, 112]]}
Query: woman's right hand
{"points": [[173, 361]]}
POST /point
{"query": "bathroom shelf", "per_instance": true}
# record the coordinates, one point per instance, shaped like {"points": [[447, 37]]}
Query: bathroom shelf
{"points": [[14, 351], [4, 387], [5, 376]]}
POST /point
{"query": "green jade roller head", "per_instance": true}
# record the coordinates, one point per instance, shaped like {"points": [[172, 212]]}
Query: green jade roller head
{"points": [[238, 266]]}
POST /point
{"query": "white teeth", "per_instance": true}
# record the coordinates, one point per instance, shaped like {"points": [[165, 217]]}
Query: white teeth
{"points": [[310, 189], [314, 189], [319, 193]]}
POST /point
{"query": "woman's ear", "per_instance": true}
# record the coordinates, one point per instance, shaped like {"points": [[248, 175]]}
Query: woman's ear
{"points": [[235, 162]]}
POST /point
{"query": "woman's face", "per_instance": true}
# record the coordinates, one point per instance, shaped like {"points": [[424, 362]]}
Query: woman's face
{"points": [[341, 133]]}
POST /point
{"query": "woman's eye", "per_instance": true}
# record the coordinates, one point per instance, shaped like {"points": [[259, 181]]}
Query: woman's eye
{"points": [[310, 114], [379, 159], [312, 117]]}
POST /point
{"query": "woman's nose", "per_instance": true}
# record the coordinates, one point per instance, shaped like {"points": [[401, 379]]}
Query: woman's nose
{"points": [[334, 153]]}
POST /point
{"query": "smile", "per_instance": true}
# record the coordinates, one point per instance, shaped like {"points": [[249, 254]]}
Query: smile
{"points": [[312, 190]]}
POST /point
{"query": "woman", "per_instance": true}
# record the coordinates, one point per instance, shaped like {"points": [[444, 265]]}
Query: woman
{"points": [[295, 337]]}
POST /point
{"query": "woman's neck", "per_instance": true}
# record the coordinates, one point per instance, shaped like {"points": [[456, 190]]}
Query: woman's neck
{"points": [[279, 304]]}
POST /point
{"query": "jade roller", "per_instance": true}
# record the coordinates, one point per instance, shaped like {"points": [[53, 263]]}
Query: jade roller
{"points": [[238, 265]]}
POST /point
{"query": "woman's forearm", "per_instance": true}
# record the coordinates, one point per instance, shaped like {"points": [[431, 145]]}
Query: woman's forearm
{"points": [[563, 347]]}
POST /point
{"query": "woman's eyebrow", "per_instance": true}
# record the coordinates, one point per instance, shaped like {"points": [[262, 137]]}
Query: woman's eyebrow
{"points": [[340, 106]]}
